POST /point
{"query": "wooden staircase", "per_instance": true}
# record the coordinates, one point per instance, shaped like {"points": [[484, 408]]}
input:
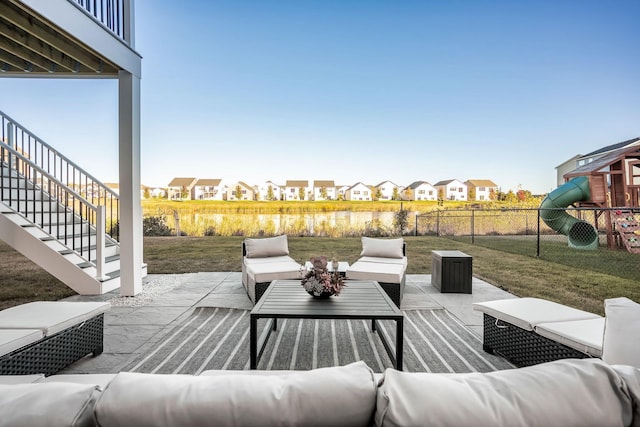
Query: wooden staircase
{"points": [[628, 228]]}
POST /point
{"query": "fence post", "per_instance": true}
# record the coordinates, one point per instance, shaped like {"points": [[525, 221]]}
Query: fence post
{"points": [[438, 223], [415, 233], [101, 225], [538, 238], [473, 222]]}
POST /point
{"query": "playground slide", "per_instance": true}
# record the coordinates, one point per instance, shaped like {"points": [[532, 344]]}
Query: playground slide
{"points": [[581, 234]]}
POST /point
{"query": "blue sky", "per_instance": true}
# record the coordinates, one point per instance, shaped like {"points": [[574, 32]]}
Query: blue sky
{"points": [[357, 91]]}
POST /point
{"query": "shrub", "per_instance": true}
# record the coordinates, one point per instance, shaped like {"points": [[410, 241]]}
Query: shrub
{"points": [[155, 226]]}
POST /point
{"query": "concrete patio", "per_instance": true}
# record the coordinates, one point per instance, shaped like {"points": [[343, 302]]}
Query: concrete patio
{"points": [[135, 324]]}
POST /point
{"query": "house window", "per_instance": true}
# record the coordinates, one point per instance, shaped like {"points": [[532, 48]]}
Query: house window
{"points": [[366, 193], [292, 190], [431, 192], [356, 192], [460, 189], [421, 191], [481, 197], [482, 189]]}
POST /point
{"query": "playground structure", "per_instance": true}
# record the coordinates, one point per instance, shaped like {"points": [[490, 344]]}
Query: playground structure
{"points": [[610, 185]]}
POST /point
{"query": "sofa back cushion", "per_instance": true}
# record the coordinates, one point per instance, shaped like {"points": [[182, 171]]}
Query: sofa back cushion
{"points": [[620, 343], [383, 248], [50, 404], [568, 392], [267, 247], [343, 396]]}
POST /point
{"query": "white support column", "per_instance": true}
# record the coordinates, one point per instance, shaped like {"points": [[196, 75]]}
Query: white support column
{"points": [[130, 203]]}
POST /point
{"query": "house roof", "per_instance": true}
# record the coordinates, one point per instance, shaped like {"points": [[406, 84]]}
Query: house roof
{"points": [[182, 182], [573, 159], [416, 184], [356, 184], [481, 183], [384, 182], [208, 182], [245, 185], [324, 184], [445, 182], [613, 147], [294, 183], [603, 162]]}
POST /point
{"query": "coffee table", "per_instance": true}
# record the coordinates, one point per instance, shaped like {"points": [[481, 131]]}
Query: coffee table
{"points": [[360, 299]]}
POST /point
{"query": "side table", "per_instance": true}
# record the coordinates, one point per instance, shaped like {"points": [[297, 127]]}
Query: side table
{"points": [[451, 271]]}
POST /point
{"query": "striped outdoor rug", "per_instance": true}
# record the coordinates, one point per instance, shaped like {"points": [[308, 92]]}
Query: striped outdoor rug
{"points": [[218, 338]]}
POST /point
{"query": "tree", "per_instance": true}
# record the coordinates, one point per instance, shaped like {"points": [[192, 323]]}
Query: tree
{"points": [[492, 194], [377, 193], [396, 194], [270, 193], [472, 193], [238, 192], [323, 193], [146, 194], [401, 220], [511, 197], [301, 193], [184, 193]]}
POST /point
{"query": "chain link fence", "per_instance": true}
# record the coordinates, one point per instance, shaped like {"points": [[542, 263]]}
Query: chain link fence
{"points": [[576, 237]]}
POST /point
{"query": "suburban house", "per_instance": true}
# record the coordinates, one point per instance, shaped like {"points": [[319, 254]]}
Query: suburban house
{"points": [[341, 191], [74, 39], [419, 190], [158, 192], [208, 189], [580, 160], [386, 190], [240, 191], [481, 189], [324, 190], [358, 191], [296, 190], [182, 189], [268, 191], [451, 189]]}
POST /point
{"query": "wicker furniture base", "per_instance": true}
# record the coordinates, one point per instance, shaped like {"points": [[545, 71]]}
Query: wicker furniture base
{"points": [[260, 289], [56, 352], [521, 347], [395, 290]]}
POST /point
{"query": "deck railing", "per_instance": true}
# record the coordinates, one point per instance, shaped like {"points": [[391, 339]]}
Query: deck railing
{"points": [[113, 14]]}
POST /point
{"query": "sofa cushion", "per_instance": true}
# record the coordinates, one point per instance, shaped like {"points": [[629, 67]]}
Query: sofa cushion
{"points": [[254, 261], [13, 339], [525, 313], [384, 248], [342, 396], [101, 380], [267, 247], [52, 404], [266, 272], [621, 332], [582, 335], [380, 260], [20, 379], [568, 392], [50, 316], [380, 272]]}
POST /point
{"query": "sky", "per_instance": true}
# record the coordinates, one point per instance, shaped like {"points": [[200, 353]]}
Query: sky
{"points": [[352, 91]]}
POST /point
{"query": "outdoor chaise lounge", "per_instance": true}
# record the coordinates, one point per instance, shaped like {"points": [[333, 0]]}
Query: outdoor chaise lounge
{"points": [[46, 336], [265, 260], [528, 331], [385, 261]]}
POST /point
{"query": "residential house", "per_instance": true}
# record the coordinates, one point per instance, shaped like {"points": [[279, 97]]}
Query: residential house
{"points": [[181, 189], [386, 189], [481, 189], [240, 191], [268, 191], [157, 192], [341, 191], [324, 190], [209, 189], [451, 189], [296, 190], [419, 190], [358, 191], [581, 160]]}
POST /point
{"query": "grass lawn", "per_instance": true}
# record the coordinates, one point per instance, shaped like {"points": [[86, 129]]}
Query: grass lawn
{"points": [[576, 286]]}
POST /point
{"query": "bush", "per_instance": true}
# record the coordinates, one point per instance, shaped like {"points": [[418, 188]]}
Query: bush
{"points": [[155, 226]]}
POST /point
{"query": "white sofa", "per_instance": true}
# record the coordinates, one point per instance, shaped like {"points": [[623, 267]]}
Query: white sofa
{"points": [[385, 261], [562, 393], [265, 260], [46, 336]]}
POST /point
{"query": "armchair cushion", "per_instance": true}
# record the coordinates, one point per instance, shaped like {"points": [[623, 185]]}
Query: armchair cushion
{"points": [[384, 248], [621, 332], [267, 247]]}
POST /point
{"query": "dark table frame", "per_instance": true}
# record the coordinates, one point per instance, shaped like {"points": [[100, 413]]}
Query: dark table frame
{"points": [[361, 299]]}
